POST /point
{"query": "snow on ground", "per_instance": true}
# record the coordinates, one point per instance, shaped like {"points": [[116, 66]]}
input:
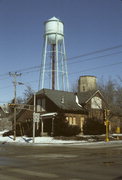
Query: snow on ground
{"points": [[47, 140], [37, 140]]}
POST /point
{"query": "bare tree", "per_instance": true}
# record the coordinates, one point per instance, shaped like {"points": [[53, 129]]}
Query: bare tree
{"points": [[112, 91], [74, 86], [28, 93]]}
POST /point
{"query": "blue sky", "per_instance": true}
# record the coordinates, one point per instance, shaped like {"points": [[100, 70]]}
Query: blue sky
{"points": [[89, 26]]}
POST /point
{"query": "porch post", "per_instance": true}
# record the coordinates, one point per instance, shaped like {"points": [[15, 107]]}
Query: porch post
{"points": [[42, 126], [52, 133]]}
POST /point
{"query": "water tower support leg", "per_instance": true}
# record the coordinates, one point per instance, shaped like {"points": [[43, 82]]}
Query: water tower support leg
{"points": [[57, 76], [43, 64], [65, 66]]}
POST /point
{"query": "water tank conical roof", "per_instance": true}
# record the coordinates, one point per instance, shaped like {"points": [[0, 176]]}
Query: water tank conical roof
{"points": [[53, 19]]}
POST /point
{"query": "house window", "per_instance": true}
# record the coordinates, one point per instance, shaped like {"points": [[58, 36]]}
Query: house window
{"points": [[67, 118], [40, 105], [70, 120], [96, 103], [74, 121]]}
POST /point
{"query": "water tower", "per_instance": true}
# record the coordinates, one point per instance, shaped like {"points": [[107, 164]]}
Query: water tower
{"points": [[53, 72]]}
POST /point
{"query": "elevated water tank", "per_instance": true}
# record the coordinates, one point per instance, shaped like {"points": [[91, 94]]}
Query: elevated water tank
{"points": [[54, 30], [86, 83]]}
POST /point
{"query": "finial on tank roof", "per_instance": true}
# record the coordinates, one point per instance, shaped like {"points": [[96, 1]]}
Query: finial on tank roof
{"points": [[53, 18]]}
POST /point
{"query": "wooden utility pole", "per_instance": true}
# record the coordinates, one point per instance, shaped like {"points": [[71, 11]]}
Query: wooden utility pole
{"points": [[14, 75]]}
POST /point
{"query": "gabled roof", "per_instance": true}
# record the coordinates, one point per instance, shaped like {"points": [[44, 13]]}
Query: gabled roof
{"points": [[62, 99], [84, 97]]}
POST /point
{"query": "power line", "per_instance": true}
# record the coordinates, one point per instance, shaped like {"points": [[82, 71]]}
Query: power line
{"points": [[84, 60], [96, 57], [88, 59], [95, 68], [72, 58], [93, 58], [87, 54], [98, 67], [95, 52]]}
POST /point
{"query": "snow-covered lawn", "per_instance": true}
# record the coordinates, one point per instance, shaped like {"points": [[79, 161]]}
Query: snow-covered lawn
{"points": [[37, 140], [46, 140]]}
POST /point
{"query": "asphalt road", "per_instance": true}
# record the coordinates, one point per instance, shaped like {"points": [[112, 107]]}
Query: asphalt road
{"points": [[64, 162]]}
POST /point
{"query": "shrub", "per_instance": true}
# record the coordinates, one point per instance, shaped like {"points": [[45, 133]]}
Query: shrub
{"points": [[93, 126], [62, 127], [73, 130]]}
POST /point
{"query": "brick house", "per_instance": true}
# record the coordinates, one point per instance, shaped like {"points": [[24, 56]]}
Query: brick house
{"points": [[49, 103], [76, 107]]}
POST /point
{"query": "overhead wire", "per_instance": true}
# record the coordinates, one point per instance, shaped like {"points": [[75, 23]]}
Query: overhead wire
{"points": [[98, 67], [96, 57], [70, 61], [83, 60], [71, 58], [95, 52], [77, 72]]}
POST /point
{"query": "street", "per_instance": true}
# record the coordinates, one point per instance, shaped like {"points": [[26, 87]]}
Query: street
{"points": [[64, 162]]}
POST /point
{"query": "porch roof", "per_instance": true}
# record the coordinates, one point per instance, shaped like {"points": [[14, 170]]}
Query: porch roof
{"points": [[48, 114]]}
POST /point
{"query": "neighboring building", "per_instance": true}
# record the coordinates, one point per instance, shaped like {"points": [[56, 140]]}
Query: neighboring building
{"points": [[4, 121]]}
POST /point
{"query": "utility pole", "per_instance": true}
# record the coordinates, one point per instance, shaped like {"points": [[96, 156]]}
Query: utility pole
{"points": [[14, 75]]}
